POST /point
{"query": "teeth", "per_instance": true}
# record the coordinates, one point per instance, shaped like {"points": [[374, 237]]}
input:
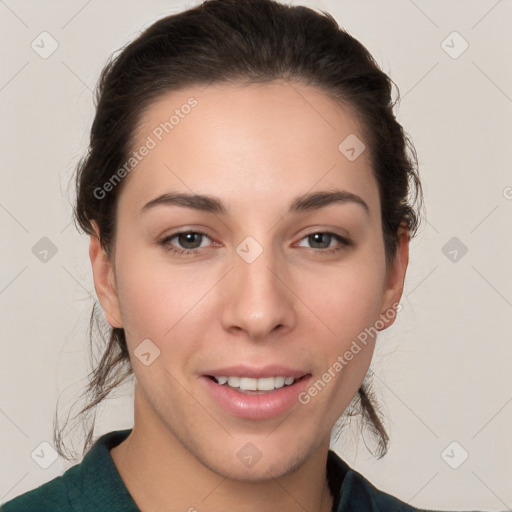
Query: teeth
{"points": [[234, 382], [251, 384], [248, 384], [279, 382], [266, 384]]}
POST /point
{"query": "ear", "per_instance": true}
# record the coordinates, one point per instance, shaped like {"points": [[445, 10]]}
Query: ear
{"points": [[104, 282], [395, 280]]}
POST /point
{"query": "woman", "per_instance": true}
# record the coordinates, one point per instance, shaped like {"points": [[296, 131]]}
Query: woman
{"points": [[246, 193]]}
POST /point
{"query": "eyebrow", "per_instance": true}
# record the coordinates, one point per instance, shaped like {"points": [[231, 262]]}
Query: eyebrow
{"points": [[210, 204]]}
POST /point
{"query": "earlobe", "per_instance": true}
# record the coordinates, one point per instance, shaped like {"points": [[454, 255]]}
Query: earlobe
{"points": [[104, 282], [395, 280]]}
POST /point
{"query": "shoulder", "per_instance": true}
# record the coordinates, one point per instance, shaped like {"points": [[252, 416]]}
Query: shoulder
{"points": [[357, 493], [49, 497], [91, 485], [364, 493]]}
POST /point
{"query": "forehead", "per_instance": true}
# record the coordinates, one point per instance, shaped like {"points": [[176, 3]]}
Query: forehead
{"points": [[253, 139]]}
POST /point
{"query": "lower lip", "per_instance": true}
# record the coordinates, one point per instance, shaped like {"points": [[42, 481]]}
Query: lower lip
{"points": [[256, 406]]}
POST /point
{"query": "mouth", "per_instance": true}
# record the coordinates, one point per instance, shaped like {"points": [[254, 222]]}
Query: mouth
{"points": [[253, 394]]}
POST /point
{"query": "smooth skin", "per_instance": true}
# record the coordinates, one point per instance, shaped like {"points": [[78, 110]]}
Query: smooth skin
{"points": [[256, 148]]}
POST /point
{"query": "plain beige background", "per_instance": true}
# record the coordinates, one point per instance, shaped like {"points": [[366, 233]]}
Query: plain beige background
{"points": [[442, 372]]}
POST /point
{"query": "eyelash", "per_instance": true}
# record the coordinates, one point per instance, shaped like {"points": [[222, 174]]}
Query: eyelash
{"points": [[165, 243]]}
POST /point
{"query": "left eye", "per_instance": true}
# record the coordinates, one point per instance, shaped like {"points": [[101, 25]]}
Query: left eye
{"points": [[323, 238]]}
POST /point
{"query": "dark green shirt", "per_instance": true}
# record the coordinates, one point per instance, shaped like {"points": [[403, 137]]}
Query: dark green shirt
{"points": [[95, 485]]}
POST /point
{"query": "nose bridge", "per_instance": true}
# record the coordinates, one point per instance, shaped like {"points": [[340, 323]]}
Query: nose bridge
{"points": [[258, 300]]}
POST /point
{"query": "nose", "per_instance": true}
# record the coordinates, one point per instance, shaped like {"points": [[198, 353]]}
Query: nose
{"points": [[258, 300]]}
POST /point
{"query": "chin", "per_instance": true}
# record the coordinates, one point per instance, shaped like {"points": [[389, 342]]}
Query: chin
{"points": [[250, 464]]}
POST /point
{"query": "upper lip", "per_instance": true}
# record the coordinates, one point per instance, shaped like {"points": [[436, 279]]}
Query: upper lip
{"points": [[255, 372]]}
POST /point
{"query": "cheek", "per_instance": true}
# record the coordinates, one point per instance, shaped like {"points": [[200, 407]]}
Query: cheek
{"points": [[348, 301], [346, 298], [161, 301]]}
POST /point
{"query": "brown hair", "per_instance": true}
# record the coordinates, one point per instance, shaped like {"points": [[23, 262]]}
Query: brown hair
{"points": [[238, 41]]}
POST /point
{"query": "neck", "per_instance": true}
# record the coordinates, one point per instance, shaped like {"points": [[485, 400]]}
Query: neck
{"points": [[163, 476]]}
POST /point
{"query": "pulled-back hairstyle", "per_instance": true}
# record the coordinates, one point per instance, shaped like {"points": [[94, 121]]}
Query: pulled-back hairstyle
{"points": [[238, 42]]}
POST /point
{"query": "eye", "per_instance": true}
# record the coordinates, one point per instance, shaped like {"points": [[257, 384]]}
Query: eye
{"points": [[324, 239], [187, 239]]}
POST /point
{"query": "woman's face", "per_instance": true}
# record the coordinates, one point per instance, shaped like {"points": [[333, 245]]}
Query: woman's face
{"points": [[279, 282]]}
